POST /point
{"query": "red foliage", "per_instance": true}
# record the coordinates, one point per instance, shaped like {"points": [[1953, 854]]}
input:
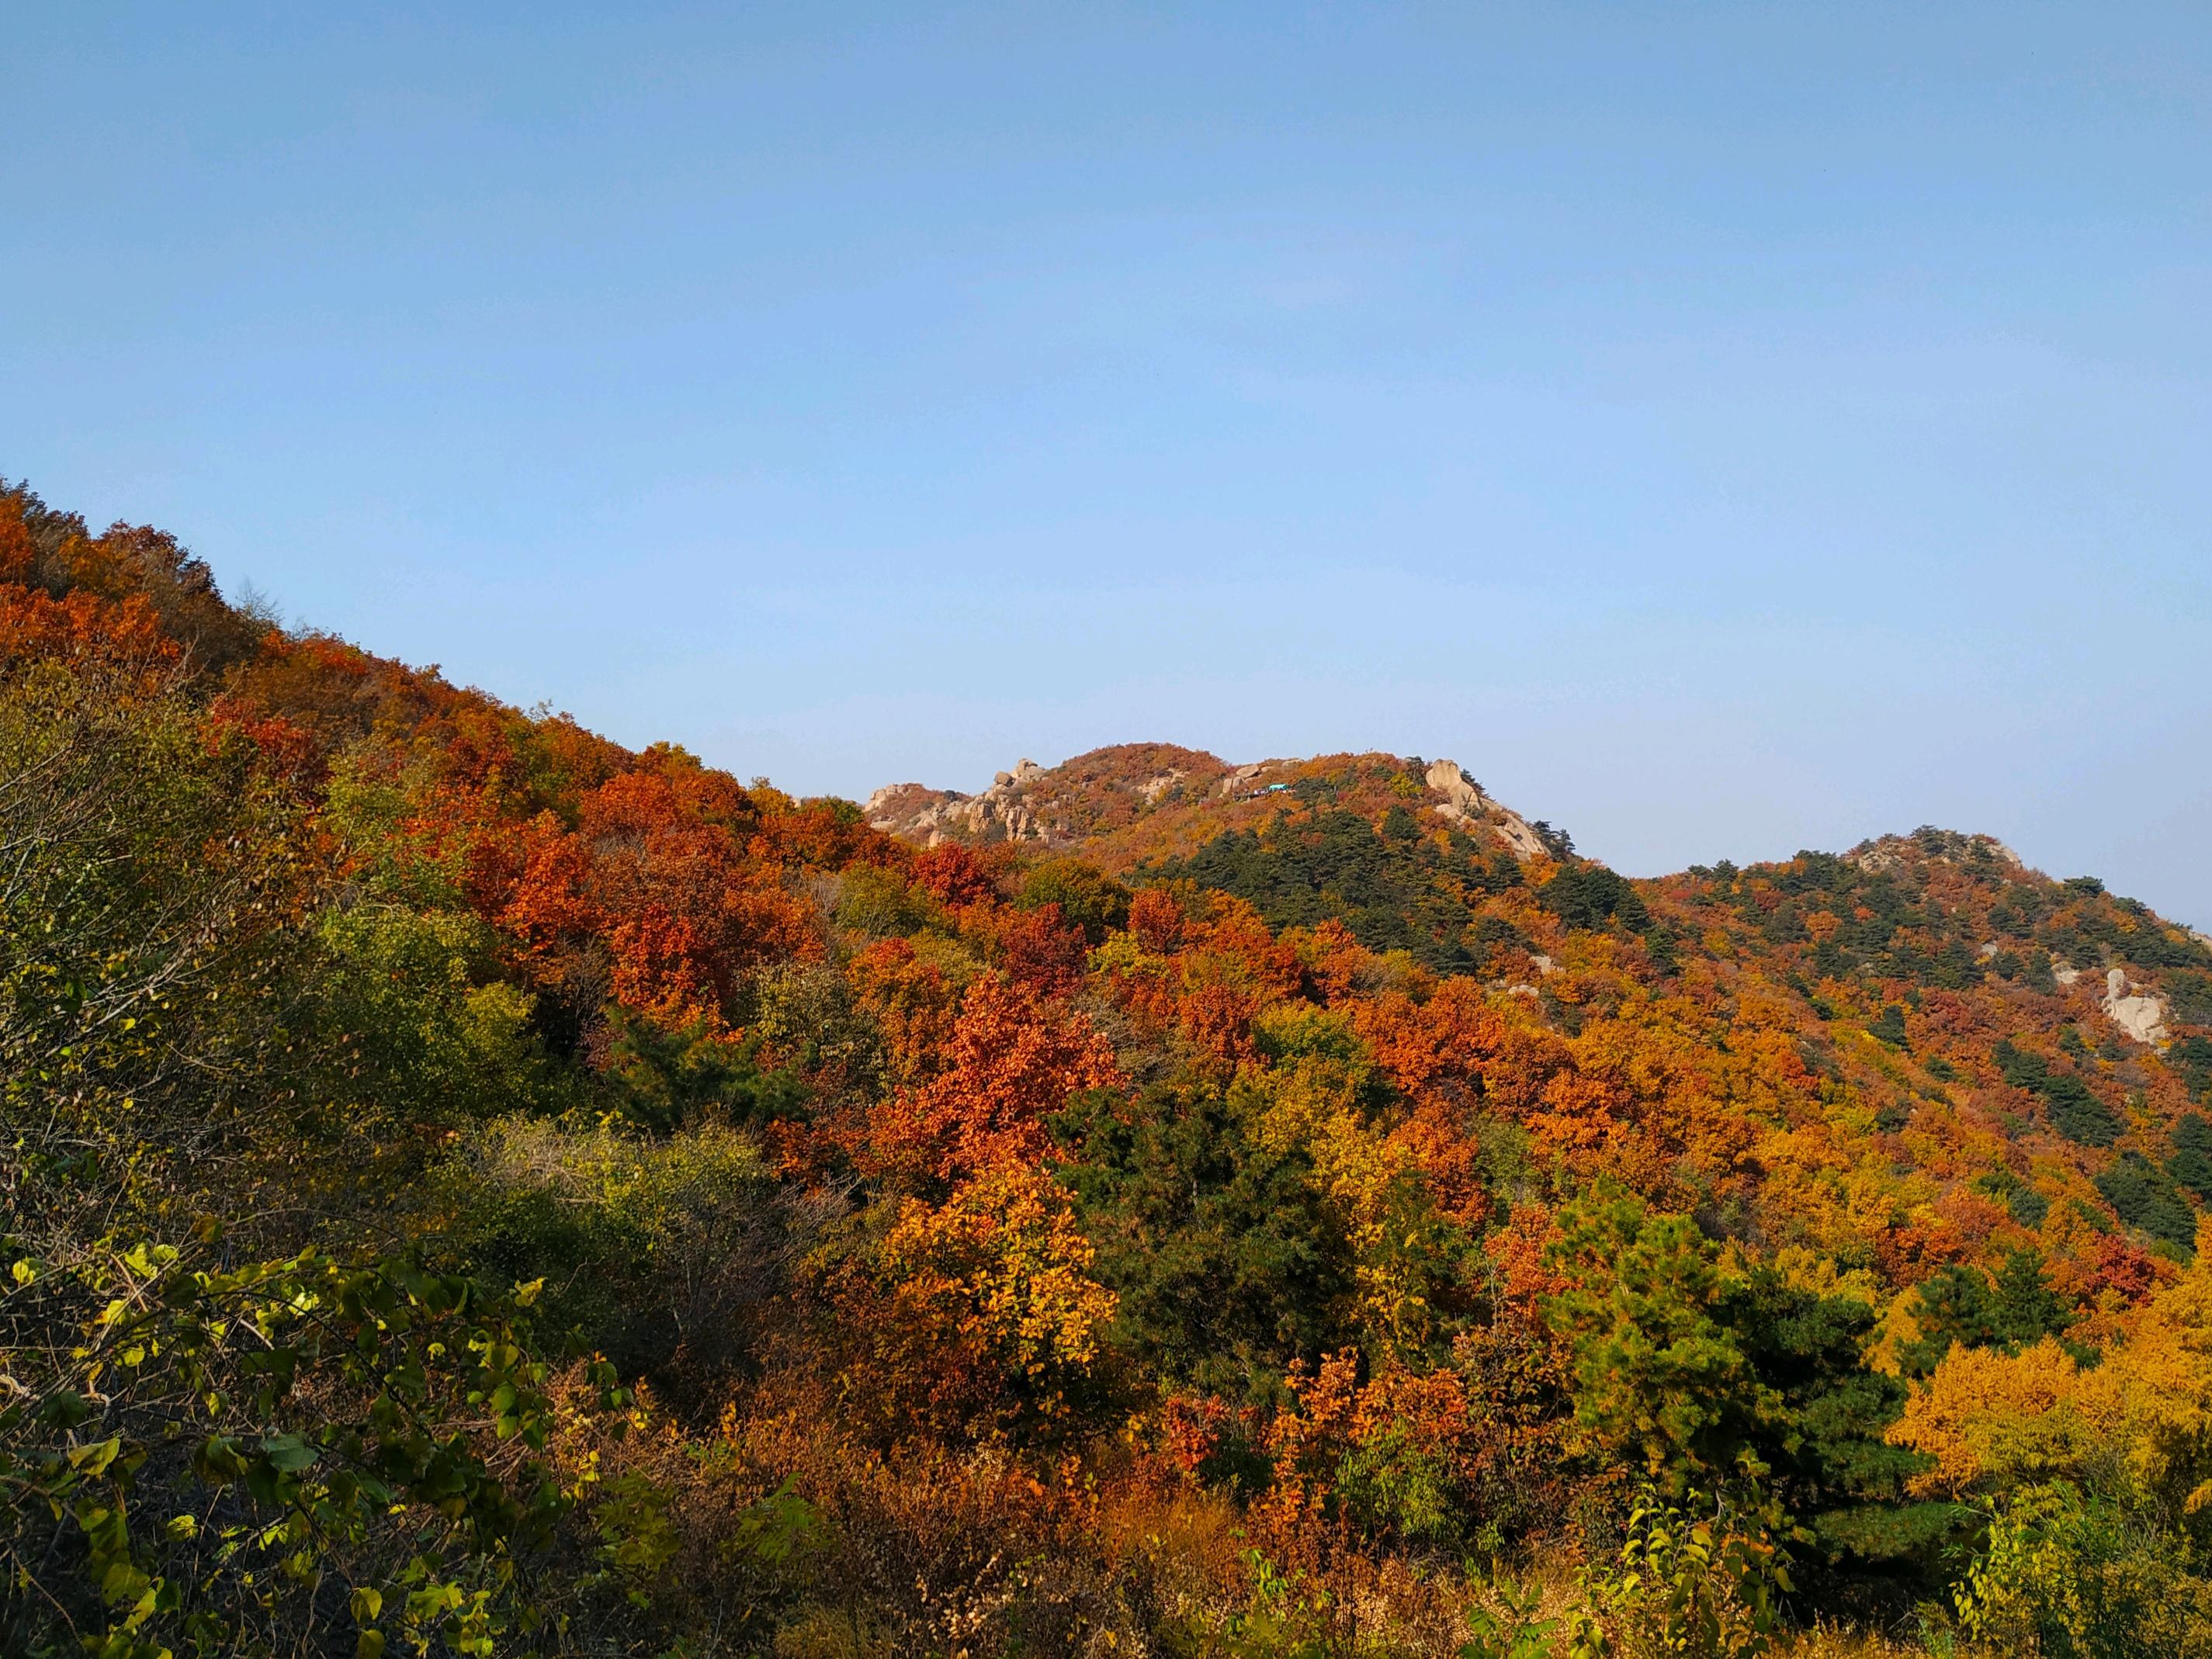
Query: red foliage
{"points": [[2114, 1266], [1156, 920], [1041, 951], [1011, 1062], [953, 875]]}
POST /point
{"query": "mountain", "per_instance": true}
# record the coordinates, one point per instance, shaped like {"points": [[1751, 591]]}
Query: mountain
{"points": [[473, 1185], [1122, 804]]}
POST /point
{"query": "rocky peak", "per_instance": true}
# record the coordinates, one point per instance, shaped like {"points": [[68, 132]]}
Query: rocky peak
{"points": [[1130, 801], [1465, 804]]}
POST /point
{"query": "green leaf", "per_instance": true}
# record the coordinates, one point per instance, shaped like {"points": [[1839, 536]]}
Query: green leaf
{"points": [[64, 1410], [289, 1452], [94, 1458], [220, 1459]]}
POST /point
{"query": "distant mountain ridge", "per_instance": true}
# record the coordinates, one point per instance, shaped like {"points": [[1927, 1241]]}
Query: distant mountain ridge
{"points": [[1155, 809], [1129, 801]]}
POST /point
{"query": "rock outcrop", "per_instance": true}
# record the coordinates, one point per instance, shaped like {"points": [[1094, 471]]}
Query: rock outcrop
{"points": [[1889, 852], [931, 816], [1466, 805], [2141, 1015], [1133, 801]]}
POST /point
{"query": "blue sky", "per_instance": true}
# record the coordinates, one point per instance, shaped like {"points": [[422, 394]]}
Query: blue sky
{"points": [[1723, 429]]}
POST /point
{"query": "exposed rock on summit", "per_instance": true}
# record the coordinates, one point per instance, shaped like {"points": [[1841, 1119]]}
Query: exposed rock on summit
{"points": [[1466, 805], [1132, 801]]}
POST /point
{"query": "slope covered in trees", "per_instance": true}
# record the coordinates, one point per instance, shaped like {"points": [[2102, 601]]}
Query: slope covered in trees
{"points": [[472, 1188]]}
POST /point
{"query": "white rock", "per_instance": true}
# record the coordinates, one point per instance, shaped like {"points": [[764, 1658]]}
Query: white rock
{"points": [[2141, 1015], [1243, 775], [1465, 804]]}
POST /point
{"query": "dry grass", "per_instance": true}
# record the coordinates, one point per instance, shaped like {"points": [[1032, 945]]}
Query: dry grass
{"points": [[1826, 1641]]}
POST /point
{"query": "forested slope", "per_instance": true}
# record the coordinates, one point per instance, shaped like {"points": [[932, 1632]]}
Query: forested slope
{"points": [[473, 1188]]}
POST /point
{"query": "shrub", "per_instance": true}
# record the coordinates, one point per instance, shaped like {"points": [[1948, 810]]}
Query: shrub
{"points": [[1704, 1585]]}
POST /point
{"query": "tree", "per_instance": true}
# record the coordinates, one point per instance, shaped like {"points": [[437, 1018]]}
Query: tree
{"points": [[1225, 1264], [981, 1313], [1655, 1370], [1823, 1441]]}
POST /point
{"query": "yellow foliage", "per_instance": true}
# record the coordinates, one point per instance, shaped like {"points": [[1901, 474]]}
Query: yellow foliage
{"points": [[1002, 1266], [1313, 1101], [1811, 1271], [1989, 1418]]}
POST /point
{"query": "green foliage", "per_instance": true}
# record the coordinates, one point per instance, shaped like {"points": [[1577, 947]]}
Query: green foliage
{"points": [[1510, 1624], [427, 1026], [2144, 1195], [2025, 1206], [1821, 1436], [1960, 1306], [1393, 894], [1952, 1307], [1089, 900], [2192, 1057], [1225, 1262], [1701, 1579], [144, 956], [876, 903], [1589, 896], [1285, 1618], [2078, 1113], [666, 1079], [2077, 1575], [1396, 1485], [226, 1450], [2190, 1166], [653, 1250], [2025, 1307], [1656, 1370], [805, 1014], [1889, 1026]]}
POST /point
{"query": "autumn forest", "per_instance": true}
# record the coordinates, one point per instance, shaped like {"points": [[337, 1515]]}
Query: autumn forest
{"points": [[470, 1188]]}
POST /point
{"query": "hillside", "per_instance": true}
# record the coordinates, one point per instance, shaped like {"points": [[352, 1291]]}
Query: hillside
{"points": [[1929, 976], [476, 1188]]}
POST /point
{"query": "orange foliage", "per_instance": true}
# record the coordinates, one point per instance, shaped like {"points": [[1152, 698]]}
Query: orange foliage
{"points": [[980, 1311], [1010, 1061]]}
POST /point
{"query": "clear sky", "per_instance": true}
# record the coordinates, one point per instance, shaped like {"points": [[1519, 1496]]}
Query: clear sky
{"points": [[1723, 429]]}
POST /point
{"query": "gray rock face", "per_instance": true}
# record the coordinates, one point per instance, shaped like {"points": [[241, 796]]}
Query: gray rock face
{"points": [[1465, 804], [2140, 1015], [929, 815]]}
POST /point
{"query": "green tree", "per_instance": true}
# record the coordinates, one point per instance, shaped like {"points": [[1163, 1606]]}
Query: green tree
{"points": [[1960, 1306], [2190, 1166], [1822, 1441], [1226, 1265], [665, 1080], [1088, 898], [1656, 1369]]}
